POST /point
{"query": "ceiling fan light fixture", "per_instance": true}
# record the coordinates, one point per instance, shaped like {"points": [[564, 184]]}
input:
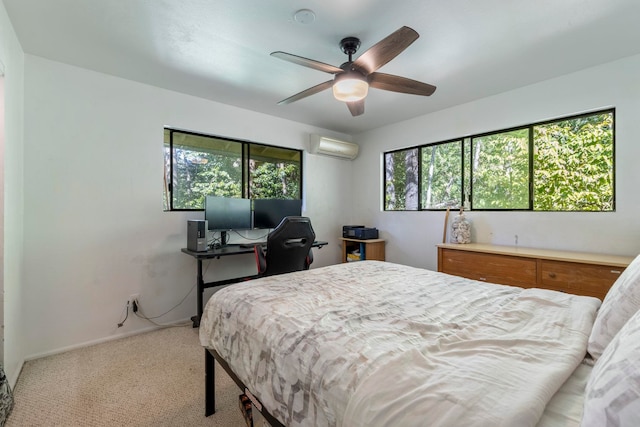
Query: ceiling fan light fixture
{"points": [[352, 79], [350, 87]]}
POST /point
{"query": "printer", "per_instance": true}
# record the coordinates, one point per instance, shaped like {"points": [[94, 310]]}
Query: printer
{"points": [[359, 232], [349, 231]]}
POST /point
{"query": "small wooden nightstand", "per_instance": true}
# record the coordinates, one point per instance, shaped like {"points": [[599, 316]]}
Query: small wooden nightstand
{"points": [[370, 249]]}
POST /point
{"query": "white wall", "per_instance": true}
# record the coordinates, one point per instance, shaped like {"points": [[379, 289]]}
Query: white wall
{"points": [[12, 58], [95, 230], [412, 236]]}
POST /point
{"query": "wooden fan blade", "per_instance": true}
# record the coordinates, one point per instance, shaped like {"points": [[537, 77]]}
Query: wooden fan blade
{"points": [[386, 49], [356, 107], [306, 62], [399, 84], [307, 92]]}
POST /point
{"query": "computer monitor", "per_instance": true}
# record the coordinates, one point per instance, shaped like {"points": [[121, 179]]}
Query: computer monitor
{"points": [[267, 213], [227, 213]]}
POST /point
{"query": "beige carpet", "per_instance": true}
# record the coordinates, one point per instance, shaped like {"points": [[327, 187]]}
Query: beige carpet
{"points": [[152, 379]]}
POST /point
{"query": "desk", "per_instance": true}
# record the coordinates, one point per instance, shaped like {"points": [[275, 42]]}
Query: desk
{"points": [[216, 253]]}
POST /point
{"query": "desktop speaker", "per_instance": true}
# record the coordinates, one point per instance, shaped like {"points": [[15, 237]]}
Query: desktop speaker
{"points": [[197, 235]]}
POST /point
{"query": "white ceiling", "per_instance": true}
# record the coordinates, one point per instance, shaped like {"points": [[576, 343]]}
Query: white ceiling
{"points": [[219, 49]]}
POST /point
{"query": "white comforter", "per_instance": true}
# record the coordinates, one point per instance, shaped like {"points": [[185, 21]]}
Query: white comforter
{"points": [[380, 344]]}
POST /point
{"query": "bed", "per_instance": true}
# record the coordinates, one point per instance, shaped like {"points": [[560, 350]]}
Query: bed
{"points": [[375, 343]]}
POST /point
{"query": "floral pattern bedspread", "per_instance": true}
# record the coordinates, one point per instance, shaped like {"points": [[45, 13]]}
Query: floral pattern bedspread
{"points": [[375, 343]]}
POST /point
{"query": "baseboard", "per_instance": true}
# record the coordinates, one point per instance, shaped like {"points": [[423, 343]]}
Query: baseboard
{"points": [[13, 378], [99, 341]]}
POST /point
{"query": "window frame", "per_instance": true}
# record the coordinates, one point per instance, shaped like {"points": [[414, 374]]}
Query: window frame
{"points": [[246, 157], [467, 150]]}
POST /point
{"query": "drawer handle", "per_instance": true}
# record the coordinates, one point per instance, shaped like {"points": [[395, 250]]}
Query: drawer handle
{"points": [[616, 271], [484, 279], [552, 275]]}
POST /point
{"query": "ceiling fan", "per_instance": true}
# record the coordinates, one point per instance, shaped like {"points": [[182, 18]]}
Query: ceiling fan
{"points": [[352, 79]]}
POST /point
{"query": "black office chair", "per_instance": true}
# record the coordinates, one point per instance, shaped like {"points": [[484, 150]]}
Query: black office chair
{"points": [[288, 247]]}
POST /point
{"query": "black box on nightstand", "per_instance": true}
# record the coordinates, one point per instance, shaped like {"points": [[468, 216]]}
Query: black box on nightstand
{"points": [[366, 233], [349, 231]]}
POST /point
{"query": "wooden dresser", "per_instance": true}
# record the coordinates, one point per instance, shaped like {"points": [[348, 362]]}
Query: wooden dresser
{"points": [[574, 272]]}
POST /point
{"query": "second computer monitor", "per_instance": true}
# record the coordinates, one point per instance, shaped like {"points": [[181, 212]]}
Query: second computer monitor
{"points": [[267, 213], [227, 213]]}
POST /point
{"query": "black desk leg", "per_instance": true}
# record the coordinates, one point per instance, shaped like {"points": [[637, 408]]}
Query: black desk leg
{"points": [[196, 319], [209, 384]]}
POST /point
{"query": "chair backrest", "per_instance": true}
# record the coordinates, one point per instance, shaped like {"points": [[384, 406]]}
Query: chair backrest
{"points": [[289, 245]]}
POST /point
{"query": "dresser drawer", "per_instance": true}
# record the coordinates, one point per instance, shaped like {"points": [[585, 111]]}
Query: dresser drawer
{"points": [[577, 278], [506, 270]]}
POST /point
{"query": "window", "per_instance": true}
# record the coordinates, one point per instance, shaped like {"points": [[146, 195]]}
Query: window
{"points": [[274, 173], [573, 164], [401, 179], [199, 165], [560, 165], [500, 170], [442, 174]]}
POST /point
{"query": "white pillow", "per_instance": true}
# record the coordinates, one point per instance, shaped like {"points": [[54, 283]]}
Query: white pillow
{"points": [[612, 395], [622, 302]]}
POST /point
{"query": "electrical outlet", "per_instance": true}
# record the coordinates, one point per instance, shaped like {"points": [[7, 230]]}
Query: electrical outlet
{"points": [[134, 300], [134, 297]]}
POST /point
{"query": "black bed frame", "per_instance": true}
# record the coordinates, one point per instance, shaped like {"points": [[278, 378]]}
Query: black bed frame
{"points": [[210, 387]]}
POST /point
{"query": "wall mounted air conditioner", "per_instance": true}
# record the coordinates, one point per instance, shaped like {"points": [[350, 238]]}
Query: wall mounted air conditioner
{"points": [[332, 147]]}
